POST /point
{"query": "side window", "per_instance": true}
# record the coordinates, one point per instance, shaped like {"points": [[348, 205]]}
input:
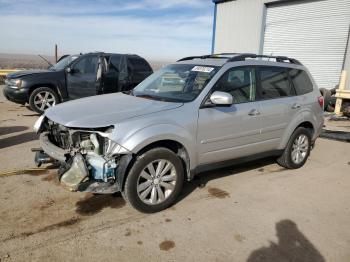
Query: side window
{"points": [[87, 65], [138, 64], [301, 81], [240, 83], [114, 63], [275, 83]]}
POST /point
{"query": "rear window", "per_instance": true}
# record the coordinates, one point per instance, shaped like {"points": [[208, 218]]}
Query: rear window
{"points": [[301, 81], [139, 64], [274, 83], [114, 64]]}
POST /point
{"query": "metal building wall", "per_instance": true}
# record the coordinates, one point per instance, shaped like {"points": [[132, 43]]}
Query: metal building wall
{"points": [[314, 32], [239, 27]]}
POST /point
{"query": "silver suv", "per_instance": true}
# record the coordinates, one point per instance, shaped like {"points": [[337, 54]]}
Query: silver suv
{"points": [[187, 117]]}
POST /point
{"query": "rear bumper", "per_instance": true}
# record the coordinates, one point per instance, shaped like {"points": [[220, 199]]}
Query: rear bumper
{"points": [[19, 96]]}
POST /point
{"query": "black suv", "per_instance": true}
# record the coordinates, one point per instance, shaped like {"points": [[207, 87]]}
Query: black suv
{"points": [[74, 77]]}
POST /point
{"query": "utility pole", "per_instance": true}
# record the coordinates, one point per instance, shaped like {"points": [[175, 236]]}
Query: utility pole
{"points": [[56, 58]]}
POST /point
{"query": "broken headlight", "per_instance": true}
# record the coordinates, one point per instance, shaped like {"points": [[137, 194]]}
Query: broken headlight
{"points": [[112, 148], [38, 124]]}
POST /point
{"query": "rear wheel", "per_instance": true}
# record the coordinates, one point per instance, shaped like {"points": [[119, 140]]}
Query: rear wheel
{"points": [[154, 181], [42, 98], [297, 150]]}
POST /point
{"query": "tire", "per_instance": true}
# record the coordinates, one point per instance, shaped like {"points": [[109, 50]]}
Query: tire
{"points": [[286, 159], [327, 94], [42, 98], [139, 189], [334, 90]]}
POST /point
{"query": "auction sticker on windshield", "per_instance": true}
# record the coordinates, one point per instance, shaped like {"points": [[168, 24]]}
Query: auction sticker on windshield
{"points": [[204, 69]]}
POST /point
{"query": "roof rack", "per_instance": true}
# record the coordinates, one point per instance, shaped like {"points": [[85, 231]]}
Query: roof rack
{"points": [[281, 59], [200, 57], [235, 57], [219, 56]]}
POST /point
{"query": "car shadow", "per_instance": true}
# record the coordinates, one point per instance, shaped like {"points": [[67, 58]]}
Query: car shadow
{"points": [[18, 139], [4, 130], [292, 246], [201, 179]]}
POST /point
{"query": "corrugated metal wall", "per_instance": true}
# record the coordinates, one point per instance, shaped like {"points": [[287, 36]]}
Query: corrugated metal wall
{"points": [[315, 32]]}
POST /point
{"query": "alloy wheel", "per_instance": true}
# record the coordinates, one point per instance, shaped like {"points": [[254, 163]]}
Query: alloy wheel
{"points": [[300, 148], [156, 182], [44, 100]]}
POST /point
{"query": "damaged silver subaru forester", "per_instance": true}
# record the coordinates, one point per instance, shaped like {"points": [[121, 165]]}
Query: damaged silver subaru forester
{"points": [[196, 114]]}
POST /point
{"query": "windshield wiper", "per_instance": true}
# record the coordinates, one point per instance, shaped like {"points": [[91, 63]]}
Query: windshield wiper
{"points": [[148, 97]]}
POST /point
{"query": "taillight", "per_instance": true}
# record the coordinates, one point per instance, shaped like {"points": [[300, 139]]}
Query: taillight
{"points": [[321, 101]]}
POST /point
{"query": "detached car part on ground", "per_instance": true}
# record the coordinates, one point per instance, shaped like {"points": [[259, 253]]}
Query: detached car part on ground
{"points": [[75, 77], [191, 116]]}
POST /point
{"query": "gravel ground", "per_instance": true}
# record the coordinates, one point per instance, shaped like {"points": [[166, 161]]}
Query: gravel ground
{"points": [[252, 212]]}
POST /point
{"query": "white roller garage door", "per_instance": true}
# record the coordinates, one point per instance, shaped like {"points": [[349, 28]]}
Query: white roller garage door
{"points": [[314, 32]]}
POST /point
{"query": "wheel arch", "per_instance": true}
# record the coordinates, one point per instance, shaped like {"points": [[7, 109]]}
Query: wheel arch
{"points": [[171, 144], [49, 85], [303, 123]]}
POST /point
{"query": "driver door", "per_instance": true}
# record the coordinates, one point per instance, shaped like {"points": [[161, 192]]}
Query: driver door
{"points": [[81, 81], [228, 132]]}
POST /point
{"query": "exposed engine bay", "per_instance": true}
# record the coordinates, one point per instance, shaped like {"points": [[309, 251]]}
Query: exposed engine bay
{"points": [[88, 159]]}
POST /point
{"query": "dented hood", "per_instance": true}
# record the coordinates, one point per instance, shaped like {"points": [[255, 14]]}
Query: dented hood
{"points": [[104, 110]]}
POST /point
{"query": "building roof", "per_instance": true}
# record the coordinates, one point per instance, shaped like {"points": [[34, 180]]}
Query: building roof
{"points": [[220, 1]]}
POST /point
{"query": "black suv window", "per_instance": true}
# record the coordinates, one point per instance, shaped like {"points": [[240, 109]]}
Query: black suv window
{"points": [[240, 83], [86, 65], [274, 82], [114, 64], [139, 64], [301, 81]]}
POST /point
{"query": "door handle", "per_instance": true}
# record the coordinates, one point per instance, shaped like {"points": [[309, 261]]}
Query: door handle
{"points": [[254, 112], [295, 106]]}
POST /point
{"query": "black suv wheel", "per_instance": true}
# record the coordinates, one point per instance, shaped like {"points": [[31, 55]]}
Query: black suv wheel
{"points": [[42, 98]]}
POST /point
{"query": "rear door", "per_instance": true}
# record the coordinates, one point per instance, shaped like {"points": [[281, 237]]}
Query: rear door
{"points": [[230, 132], [138, 70], [278, 104], [81, 81], [111, 80]]}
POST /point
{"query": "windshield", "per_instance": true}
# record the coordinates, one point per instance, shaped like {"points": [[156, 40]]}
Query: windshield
{"points": [[176, 83], [64, 62]]}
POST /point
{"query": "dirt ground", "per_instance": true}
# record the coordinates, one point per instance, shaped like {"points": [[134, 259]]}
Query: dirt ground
{"points": [[252, 212]]}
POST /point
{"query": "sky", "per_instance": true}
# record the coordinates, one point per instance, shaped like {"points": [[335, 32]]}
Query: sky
{"points": [[155, 29]]}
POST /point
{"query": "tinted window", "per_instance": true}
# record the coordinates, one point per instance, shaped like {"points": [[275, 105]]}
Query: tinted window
{"points": [[86, 65], [301, 81], [138, 64], [275, 83], [240, 83], [114, 64]]}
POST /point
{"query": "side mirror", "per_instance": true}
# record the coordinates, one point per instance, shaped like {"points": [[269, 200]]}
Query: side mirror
{"points": [[221, 98], [70, 70]]}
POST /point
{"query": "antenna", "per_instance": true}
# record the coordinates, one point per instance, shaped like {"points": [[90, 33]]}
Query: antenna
{"points": [[47, 61]]}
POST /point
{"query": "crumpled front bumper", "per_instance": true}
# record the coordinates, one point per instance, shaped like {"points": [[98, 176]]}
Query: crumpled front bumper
{"points": [[52, 150], [75, 175]]}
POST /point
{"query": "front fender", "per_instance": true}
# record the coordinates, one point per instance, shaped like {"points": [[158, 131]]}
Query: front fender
{"points": [[148, 135]]}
